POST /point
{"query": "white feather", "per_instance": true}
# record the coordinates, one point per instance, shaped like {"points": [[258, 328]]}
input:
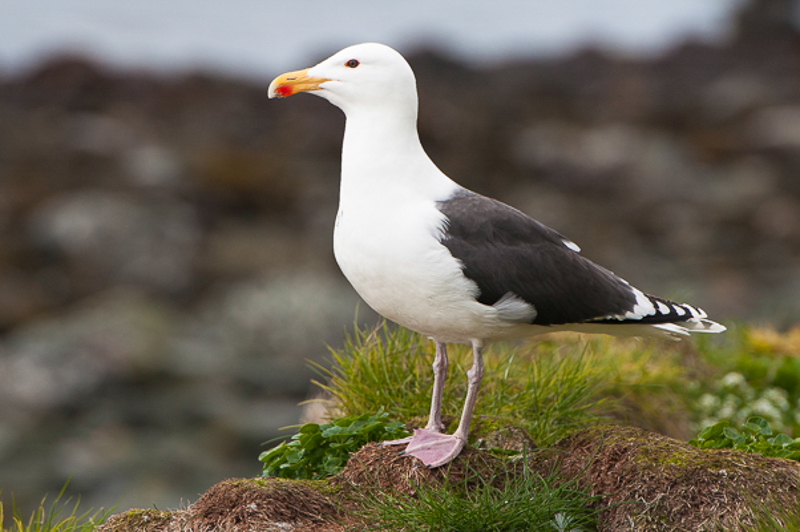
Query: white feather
{"points": [[642, 308], [513, 308]]}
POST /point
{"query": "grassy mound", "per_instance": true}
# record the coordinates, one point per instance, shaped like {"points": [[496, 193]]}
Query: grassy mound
{"points": [[608, 479]]}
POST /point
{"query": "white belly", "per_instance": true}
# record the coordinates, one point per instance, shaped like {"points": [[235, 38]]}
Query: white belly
{"points": [[391, 257]]}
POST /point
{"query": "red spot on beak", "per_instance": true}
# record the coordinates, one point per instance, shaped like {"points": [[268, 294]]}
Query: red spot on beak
{"points": [[284, 91]]}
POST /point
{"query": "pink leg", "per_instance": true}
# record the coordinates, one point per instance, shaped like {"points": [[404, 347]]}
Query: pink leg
{"points": [[440, 364], [436, 449], [435, 424], [474, 377]]}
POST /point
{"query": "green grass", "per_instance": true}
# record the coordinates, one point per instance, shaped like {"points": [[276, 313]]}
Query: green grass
{"points": [[58, 516], [549, 387], [524, 502], [785, 521]]}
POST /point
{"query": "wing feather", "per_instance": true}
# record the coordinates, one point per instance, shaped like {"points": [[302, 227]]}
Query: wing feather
{"points": [[504, 251]]}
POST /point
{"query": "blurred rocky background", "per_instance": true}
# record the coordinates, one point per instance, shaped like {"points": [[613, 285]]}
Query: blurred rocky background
{"points": [[165, 240]]}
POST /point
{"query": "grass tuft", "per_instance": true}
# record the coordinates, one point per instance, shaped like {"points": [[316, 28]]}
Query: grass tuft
{"points": [[379, 367], [58, 516], [788, 522], [548, 387], [768, 520], [525, 501]]}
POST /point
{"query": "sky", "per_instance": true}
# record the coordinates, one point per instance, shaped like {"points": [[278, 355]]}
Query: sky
{"points": [[257, 38]]}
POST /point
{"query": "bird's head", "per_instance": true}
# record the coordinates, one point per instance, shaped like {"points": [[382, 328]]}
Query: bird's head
{"points": [[360, 76]]}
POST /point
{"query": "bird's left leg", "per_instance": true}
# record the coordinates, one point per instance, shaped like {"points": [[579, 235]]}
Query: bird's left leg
{"points": [[436, 449], [435, 424]]}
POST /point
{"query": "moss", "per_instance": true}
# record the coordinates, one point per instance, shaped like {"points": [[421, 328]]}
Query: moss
{"points": [[241, 503], [658, 483], [282, 485], [139, 520]]}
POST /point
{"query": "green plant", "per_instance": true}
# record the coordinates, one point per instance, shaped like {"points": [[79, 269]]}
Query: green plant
{"points": [[54, 519], [757, 374], [733, 398], [319, 451], [525, 501], [755, 436], [548, 387]]}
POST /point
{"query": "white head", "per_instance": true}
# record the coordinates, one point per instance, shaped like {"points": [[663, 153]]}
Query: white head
{"points": [[359, 77]]}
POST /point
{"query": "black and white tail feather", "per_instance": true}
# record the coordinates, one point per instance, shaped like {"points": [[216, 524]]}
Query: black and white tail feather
{"points": [[671, 319]]}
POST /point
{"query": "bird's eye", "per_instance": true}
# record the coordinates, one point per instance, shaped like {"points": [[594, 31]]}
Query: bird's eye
{"points": [[352, 63]]}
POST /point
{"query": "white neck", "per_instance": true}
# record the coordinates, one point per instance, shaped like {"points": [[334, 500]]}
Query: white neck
{"points": [[382, 157]]}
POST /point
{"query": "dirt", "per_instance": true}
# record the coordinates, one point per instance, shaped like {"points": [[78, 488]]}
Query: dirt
{"points": [[648, 482], [385, 468], [652, 482], [267, 504]]}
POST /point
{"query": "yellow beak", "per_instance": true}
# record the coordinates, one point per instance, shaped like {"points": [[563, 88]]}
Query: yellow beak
{"points": [[293, 82]]}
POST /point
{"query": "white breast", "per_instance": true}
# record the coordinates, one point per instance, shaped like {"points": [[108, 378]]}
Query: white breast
{"points": [[390, 253]]}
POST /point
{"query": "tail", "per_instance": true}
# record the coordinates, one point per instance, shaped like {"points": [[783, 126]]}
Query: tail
{"points": [[665, 319], [678, 330], [671, 330], [697, 323]]}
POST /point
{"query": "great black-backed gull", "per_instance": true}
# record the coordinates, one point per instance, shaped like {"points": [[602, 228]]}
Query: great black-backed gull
{"points": [[447, 262]]}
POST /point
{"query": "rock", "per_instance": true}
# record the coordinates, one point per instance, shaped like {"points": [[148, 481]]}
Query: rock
{"points": [[735, 93], [264, 330], [154, 166], [51, 363], [23, 297], [115, 238], [776, 127]]}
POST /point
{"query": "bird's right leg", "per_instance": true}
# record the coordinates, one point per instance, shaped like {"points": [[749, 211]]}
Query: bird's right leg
{"points": [[440, 364], [436, 449], [435, 424]]}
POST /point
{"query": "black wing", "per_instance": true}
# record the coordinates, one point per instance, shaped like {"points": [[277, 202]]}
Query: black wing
{"points": [[503, 250]]}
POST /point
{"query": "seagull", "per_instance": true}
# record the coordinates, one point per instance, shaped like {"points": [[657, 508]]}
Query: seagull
{"points": [[447, 262]]}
